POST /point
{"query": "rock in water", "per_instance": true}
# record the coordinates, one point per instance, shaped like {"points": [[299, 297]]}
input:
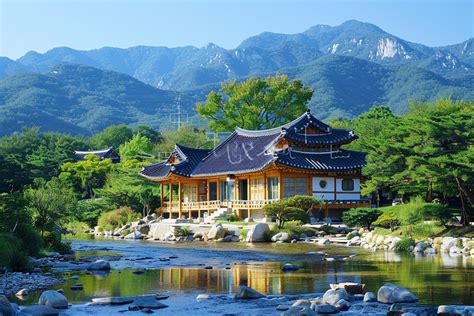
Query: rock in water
{"points": [[112, 300], [258, 233], [6, 308], [325, 309], [217, 231], [40, 310], [370, 297], [53, 299], [203, 297], [101, 265], [343, 305], [284, 237], [148, 302], [391, 293], [244, 292], [331, 297]]}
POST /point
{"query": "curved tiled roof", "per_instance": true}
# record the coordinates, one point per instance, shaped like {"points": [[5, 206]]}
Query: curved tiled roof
{"points": [[340, 160], [336, 136]]}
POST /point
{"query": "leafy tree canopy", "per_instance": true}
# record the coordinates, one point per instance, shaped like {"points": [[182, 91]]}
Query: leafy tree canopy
{"points": [[257, 103], [112, 136]]}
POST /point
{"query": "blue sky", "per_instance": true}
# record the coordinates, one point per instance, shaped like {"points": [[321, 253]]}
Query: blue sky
{"points": [[86, 24]]}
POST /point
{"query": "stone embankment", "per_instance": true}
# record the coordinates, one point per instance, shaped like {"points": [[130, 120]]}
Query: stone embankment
{"points": [[151, 228]]}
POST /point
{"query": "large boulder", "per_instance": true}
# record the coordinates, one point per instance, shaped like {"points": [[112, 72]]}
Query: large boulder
{"points": [[325, 309], [299, 311], [258, 233], [391, 293], [244, 292], [333, 296], [284, 237], [217, 231], [53, 299], [134, 235], [6, 308], [99, 265], [448, 242]]}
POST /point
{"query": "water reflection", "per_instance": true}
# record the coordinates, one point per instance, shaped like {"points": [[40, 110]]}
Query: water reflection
{"points": [[429, 278]]}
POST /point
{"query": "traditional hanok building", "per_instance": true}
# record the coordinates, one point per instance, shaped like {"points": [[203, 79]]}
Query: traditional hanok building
{"points": [[108, 153], [253, 168]]}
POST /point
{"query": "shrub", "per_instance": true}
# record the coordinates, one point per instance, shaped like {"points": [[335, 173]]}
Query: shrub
{"points": [[436, 211], [243, 233], [11, 254], [30, 238], [283, 213], [304, 202], [349, 236], [184, 231], [405, 244], [52, 241], [228, 218], [328, 229], [362, 216], [388, 219], [116, 218], [89, 211]]}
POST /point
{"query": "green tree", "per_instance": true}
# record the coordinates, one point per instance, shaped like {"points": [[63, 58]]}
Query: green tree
{"points": [[112, 136], [304, 202], [50, 203], [256, 103], [87, 174], [31, 154], [429, 149], [138, 148], [153, 135], [361, 216]]}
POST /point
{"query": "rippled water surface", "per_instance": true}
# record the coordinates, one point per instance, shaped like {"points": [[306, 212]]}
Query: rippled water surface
{"points": [[439, 279]]}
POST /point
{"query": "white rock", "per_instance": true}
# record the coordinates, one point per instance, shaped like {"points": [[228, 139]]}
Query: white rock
{"points": [[281, 237], [248, 220], [258, 233], [391, 293], [134, 235], [203, 297], [448, 242], [430, 251], [217, 231], [333, 296]]}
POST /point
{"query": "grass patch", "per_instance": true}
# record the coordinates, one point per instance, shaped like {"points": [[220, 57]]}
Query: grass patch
{"points": [[12, 255]]}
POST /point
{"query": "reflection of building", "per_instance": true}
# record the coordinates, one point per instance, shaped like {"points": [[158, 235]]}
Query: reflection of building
{"points": [[253, 168], [108, 153]]}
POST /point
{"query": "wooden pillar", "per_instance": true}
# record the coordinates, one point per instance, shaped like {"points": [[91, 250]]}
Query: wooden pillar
{"points": [[170, 208], [335, 189], [162, 197], [265, 187], [180, 198]]}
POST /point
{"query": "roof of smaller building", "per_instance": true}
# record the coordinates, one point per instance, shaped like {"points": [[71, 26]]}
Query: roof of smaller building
{"points": [[102, 153]]}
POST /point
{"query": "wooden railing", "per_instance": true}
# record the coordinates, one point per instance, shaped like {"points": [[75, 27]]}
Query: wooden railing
{"points": [[246, 204]]}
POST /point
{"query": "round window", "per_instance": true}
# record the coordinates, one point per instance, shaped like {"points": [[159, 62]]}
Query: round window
{"points": [[323, 183]]}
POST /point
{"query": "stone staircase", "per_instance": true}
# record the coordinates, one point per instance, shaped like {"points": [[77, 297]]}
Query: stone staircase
{"points": [[221, 212]]}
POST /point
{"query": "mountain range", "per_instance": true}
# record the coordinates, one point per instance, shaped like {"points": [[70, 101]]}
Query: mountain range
{"points": [[351, 67]]}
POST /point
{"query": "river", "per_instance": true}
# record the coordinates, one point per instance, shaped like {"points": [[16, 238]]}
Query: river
{"points": [[435, 279]]}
